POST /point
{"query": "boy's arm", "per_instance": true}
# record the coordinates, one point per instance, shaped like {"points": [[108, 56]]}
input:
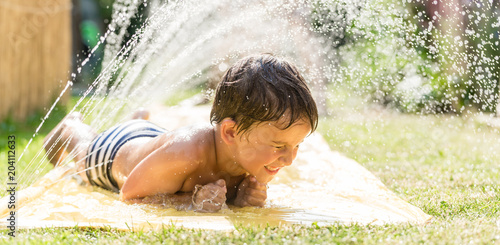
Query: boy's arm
{"points": [[163, 171]]}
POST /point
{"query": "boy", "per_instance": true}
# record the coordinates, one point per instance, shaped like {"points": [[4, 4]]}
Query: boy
{"points": [[262, 111]]}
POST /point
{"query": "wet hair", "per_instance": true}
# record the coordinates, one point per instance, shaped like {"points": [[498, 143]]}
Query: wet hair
{"points": [[263, 88]]}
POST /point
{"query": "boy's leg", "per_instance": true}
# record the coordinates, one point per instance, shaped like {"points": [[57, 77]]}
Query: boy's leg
{"points": [[70, 136]]}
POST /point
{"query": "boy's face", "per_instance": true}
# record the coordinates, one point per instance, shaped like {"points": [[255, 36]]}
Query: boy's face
{"points": [[267, 148]]}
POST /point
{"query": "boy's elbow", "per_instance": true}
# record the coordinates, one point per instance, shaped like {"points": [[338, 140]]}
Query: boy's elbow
{"points": [[121, 196], [130, 193], [129, 200], [126, 197], [125, 193]]}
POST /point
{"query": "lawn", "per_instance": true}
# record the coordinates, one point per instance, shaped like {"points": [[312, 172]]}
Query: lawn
{"points": [[444, 164]]}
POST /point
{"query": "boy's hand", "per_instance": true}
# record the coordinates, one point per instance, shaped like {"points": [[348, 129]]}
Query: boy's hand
{"points": [[251, 193], [210, 197]]}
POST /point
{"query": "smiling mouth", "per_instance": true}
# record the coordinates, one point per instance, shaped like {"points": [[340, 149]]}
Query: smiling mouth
{"points": [[272, 170]]}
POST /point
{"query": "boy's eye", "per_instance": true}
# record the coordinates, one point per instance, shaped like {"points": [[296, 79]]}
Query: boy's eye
{"points": [[278, 146]]}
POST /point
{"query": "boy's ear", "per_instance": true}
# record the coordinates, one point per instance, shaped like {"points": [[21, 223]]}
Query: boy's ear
{"points": [[228, 130]]}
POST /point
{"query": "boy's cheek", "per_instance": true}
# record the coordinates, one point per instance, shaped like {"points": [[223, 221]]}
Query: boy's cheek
{"points": [[249, 153]]}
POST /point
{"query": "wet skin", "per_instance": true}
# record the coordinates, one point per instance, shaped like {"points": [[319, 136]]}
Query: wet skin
{"points": [[228, 165], [179, 160]]}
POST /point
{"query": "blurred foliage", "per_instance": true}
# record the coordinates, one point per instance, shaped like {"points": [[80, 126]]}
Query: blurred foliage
{"points": [[416, 56], [105, 9], [332, 21], [467, 57], [90, 35]]}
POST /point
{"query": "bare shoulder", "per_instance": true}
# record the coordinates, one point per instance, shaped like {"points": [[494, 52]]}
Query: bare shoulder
{"points": [[193, 144]]}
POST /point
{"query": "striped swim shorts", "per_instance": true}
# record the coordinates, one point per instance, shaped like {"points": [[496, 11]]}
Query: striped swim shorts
{"points": [[104, 147]]}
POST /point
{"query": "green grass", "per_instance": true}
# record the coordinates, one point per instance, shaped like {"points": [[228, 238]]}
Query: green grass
{"points": [[23, 133], [446, 165]]}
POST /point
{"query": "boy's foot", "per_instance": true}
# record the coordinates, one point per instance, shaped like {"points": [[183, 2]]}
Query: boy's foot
{"points": [[141, 113], [66, 137]]}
